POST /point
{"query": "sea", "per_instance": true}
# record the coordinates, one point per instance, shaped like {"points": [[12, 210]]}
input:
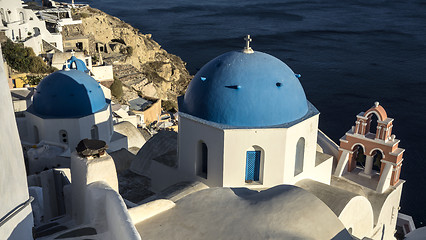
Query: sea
{"points": [[350, 53]]}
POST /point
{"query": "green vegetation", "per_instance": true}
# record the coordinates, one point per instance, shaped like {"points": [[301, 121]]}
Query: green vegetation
{"points": [[117, 88], [23, 59], [34, 79]]}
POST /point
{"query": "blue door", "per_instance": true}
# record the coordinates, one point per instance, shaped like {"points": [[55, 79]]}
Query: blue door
{"points": [[252, 166]]}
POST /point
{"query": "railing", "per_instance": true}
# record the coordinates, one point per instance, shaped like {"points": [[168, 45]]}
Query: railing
{"points": [[15, 211]]}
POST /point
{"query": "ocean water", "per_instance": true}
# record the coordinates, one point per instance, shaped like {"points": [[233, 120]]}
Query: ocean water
{"points": [[350, 54]]}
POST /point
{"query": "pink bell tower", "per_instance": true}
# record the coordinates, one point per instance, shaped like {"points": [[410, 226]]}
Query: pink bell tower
{"points": [[378, 145]]}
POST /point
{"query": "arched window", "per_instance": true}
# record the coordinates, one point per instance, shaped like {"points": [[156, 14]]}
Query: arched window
{"points": [[254, 165], [300, 156], [202, 161], [36, 135], [63, 136], [94, 132], [36, 31], [21, 17]]}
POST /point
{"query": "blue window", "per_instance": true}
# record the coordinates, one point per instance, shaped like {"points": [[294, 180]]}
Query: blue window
{"points": [[252, 166]]}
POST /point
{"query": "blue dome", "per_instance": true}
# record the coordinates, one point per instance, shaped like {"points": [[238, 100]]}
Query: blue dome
{"points": [[77, 64], [247, 90], [68, 94]]}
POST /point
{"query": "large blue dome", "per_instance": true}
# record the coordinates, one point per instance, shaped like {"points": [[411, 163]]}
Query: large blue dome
{"points": [[247, 90], [68, 94]]}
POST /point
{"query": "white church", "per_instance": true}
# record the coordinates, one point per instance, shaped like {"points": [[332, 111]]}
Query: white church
{"points": [[251, 163], [69, 105]]}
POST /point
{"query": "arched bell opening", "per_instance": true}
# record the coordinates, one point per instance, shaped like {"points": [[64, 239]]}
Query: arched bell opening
{"points": [[377, 157], [372, 123], [358, 156]]}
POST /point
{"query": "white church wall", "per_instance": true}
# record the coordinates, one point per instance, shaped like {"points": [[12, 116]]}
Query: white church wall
{"points": [[387, 214], [236, 144], [324, 169], [13, 182], [191, 132], [76, 128], [307, 129], [103, 121], [357, 217]]}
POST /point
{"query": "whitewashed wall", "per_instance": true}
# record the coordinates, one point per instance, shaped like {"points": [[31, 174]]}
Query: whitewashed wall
{"points": [[13, 181]]}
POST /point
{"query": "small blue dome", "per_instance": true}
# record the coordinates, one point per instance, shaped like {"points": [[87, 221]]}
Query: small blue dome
{"points": [[246, 90], [68, 94], [77, 64]]}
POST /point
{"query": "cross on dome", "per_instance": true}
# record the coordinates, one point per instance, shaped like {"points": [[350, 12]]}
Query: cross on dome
{"points": [[247, 48], [66, 67]]}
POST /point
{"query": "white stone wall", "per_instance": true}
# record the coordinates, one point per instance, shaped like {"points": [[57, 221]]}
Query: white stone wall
{"points": [[13, 181], [227, 149], [190, 134], [77, 128], [103, 73], [387, 214], [272, 145]]}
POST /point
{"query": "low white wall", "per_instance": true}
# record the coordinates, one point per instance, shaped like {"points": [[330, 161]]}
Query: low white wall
{"points": [[103, 73], [328, 146], [150, 209], [107, 210]]}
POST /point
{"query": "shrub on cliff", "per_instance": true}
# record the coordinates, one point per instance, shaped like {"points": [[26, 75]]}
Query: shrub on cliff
{"points": [[23, 59], [117, 88]]}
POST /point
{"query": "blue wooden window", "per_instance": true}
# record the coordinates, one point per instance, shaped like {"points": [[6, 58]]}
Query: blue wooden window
{"points": [[252, 166]]}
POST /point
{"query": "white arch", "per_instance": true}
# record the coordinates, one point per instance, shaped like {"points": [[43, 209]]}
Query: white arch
{"points": [[376, 113], [380, 150], [363, 147]]}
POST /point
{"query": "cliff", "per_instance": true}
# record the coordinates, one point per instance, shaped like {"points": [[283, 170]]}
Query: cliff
{"points": [[139, 62]]}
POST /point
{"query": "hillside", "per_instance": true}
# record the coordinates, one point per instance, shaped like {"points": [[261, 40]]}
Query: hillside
{"points": [[154, 73]]}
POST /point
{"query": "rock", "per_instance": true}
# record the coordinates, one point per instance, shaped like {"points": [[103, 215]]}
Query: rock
{"points": [[165, 71], [166, 74], [149, 91]]}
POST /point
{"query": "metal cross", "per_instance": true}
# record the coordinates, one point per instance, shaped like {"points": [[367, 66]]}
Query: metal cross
{"points": [[248, 49]]}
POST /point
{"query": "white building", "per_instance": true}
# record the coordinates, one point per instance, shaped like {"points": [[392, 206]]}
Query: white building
{"points": [[244, 121], [22, 25], [68, 106], [250, 164]]}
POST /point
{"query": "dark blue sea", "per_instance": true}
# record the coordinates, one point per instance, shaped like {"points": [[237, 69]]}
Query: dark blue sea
{"points": [[349, 53]]}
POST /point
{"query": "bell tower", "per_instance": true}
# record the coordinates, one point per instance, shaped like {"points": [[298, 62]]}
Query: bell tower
{"points": [[371, 151]]}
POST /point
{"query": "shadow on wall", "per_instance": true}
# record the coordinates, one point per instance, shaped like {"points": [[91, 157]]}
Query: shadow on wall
{"points": [[19, 232], [342, 235]]}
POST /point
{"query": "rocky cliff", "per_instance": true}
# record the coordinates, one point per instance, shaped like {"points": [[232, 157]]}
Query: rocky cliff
{"points": [[156, 74]]}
